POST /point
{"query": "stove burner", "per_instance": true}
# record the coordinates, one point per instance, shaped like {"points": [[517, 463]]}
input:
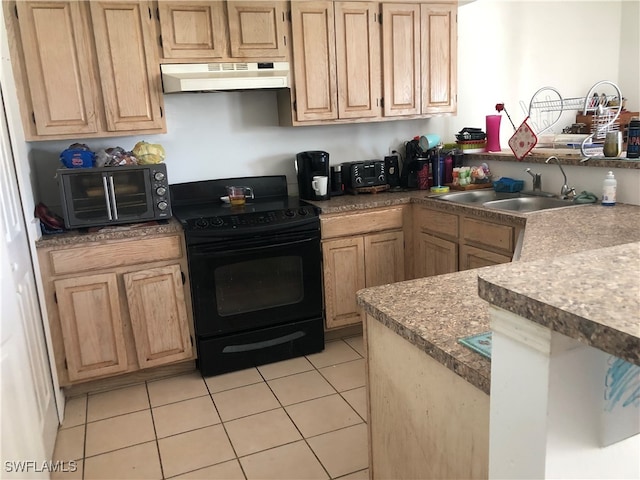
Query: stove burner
{"points": [[250, 219]]}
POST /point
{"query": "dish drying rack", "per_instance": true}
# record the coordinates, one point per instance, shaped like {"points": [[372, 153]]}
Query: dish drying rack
{"points": [[547, 105]]}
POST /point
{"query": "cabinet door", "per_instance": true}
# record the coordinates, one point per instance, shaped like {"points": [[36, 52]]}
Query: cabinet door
{"points": [[314, 60], [439, 58], [92, 327], [472, 257], [158, 315], [343, 277], [384, 258], [435, 256], [257, 29], [358, 59], [196, 30], [129, 65], [57, 56], [401, 59]]}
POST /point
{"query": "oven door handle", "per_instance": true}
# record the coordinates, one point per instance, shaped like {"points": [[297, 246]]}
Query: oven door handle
{"points": [[219, 250]]}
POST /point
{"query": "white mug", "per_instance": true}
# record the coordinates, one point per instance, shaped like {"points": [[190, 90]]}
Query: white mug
{"points": [[319, 185]]}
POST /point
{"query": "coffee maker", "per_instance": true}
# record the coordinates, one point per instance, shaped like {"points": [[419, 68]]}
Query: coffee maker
{"points": [[309, 165]]}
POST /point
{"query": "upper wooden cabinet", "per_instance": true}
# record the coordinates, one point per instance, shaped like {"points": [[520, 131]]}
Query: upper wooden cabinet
{"points": [[257, 29], [224, 31], [401, 59], [86, 69], [196, 30], [128, 62], [336, 58], [61, 88], [439, 57], [419, 50], [314, 52], [370, 61]]}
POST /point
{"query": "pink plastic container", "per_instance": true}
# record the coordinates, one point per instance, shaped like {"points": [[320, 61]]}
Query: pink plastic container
{"points": [[493, 133]]}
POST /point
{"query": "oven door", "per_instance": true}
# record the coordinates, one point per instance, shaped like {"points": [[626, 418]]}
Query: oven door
{"points": [[243, 284]]}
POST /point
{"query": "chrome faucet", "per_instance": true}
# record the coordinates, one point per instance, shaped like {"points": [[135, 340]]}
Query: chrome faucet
{"points": [[537, 180], [566, 191]]}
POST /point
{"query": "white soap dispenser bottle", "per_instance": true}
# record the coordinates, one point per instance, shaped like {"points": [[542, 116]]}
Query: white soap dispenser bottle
{"points": [[609, 190]]}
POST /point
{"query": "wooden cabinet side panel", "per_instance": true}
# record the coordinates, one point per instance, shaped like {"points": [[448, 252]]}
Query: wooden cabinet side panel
{"points": [[158, 315], [439, 58], [344, 275], [194, 30], [401, 59], [129, 65], [426, 422], [92, 326], [256, 29], [384, 258], [57, 55], [358, 59], [314, 64]]}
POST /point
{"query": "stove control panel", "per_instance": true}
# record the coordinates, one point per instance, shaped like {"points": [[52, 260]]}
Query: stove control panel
{"points": [[251, 219]]}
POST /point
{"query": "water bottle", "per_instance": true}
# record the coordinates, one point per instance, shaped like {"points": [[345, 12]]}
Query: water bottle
{"points": [[609, 190]]}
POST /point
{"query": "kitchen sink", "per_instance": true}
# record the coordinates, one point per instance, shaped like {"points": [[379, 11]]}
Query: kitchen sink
{"points": [[475, 196], [529, 204]]}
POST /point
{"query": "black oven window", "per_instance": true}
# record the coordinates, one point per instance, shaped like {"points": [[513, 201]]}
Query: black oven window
{"points": [[258, 284]]}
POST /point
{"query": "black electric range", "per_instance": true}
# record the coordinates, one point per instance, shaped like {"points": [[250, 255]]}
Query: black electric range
{"points": [[255, 273]]}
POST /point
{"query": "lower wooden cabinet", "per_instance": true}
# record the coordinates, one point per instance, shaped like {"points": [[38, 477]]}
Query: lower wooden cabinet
{"points": [[92, 325], [434, 256], [446, 242], [357, 259], [133, 313]]}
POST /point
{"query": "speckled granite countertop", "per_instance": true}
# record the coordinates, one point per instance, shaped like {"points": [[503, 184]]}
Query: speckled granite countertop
{"points": [[115, 232], [434, 312], [592, 296], [541, 155]]}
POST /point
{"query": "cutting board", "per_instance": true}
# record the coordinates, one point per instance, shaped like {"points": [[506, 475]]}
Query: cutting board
{"points": [[471, 186]]}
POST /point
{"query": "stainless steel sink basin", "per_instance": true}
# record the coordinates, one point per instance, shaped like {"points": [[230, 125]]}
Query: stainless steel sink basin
{"points": [[528, 204], [475, 196]]}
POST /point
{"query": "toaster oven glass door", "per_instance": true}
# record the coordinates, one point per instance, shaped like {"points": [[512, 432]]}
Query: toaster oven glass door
{"points": [[115, 197]]}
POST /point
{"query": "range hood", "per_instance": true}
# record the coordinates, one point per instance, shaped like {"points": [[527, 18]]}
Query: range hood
{"points": [[204, 77]]}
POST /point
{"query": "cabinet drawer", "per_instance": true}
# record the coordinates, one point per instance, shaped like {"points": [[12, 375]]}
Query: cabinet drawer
{"points": [[115, 254], [434, 221], [489, 234], [340, 225]]}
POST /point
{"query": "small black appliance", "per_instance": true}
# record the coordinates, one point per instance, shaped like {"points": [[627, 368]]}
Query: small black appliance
{"points": [[367, 173], [308, 165], [392, 168], [337, 186]]}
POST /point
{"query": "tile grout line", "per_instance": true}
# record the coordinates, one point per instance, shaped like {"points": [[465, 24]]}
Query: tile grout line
{"points": [[224, 427], [155, 432]]}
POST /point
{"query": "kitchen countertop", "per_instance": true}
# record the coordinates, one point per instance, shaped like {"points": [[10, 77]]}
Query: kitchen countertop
{"points": [[434, 312], [540, 156], [114, 232], [592, 296]]}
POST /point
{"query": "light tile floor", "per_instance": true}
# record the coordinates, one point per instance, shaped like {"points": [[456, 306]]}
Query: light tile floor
{"points": [[303, 418]]}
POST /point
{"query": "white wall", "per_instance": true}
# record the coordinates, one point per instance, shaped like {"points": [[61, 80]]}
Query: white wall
{"points": [[507, 50]]}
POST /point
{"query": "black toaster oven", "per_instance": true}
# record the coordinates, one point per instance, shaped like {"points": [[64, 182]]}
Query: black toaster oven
{"points": [[114, 195], [367, 173]]}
